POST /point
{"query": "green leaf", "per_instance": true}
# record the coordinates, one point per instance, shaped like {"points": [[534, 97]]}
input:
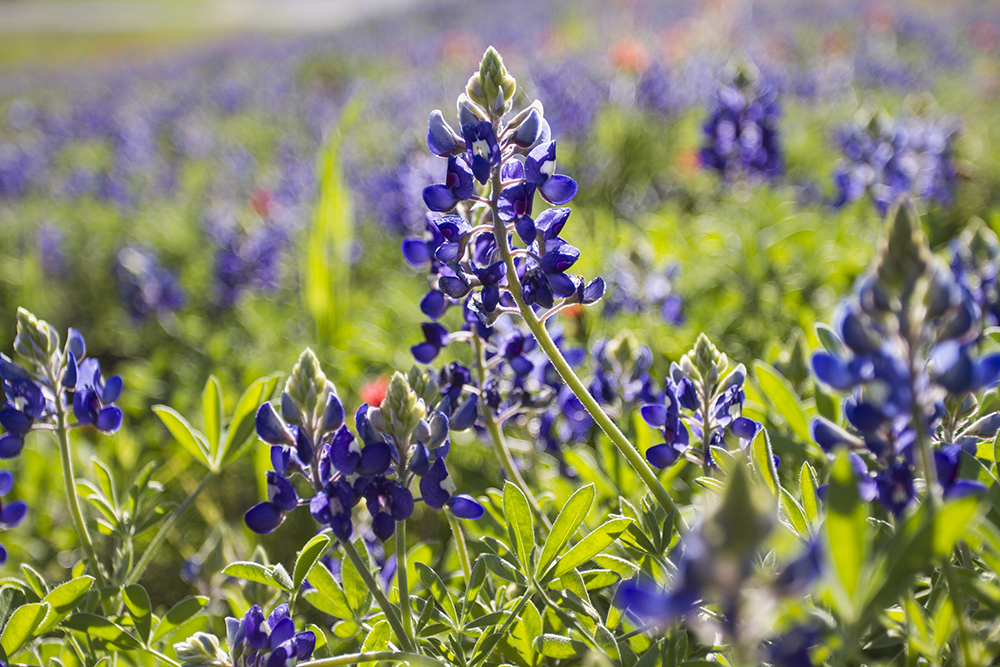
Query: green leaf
{"points": [[35, 580], [780, 394], [64, 599], [846, 524], [98, 627], [599, 578], [476, 580], [178, 615], [184, 433], [241, 426], [829, 339], [377, 640], [211, 402], [559, 647], [334, 601], [794, 513], [763, 461], [525, 630], [502, 568], [281, 577], [807, 488], [520, 525], [354, 586], [570, 517], [249, 571], [21, 625], [591, 545], [950, 523], [308, 557], [140, 609], [432, 582]]}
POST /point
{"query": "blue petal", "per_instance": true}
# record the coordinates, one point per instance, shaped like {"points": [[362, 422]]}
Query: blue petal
{"points": [[829, 436], [13, 514], [525, 227], [263, 518], [69, 377], [15, 421], [424, 352], [269, 426], [439, 198], [112, 389], [75, 343], [465, 507], [375, 459], [466, 415], [441, 139], [11, 445], [558, 189], [416, 251], [333, 413], [654, 415], [833, 371], [433, 304], [6, 482], [109, 419], [305, 643], [662, 456]]}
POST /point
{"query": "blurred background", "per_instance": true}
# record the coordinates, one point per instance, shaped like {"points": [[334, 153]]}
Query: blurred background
{"points": [[209, 187]]}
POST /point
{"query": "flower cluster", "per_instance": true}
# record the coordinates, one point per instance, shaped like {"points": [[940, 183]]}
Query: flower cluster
{"points": [[11, 514], [30, 394], [887, 158], [495, 169], [272, 642], [397, 444], [976, 265], [905, 350], [146, 286], [741, 133], [713, 403], [636, 287]]}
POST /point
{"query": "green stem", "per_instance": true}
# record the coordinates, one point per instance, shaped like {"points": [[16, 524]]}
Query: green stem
{"points": [[500, 442], [169, 661], [69, 479], [401, 581], [393, 656], [383, 602], [566, 372], [460, 546], [161, 534]]}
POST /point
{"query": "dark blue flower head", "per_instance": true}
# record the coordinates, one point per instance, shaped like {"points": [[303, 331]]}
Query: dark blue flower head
{"points": [[23, 404], [457, 187], [94, 398], [482, 149], [11, 514], [741, 133], [272, 642]]}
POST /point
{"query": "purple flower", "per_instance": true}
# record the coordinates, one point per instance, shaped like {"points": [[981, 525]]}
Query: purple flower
{"points": [[256, 642], [482, 149], [11, 514], [457, 187], [93, 399], [23, 404]]}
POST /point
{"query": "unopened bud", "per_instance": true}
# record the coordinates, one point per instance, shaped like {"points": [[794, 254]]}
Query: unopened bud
{"points": [[201, 650]]}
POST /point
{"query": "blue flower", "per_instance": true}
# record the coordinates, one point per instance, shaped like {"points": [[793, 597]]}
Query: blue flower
{"points": [[93, 399], [11, 514], [264, 517], [438, 491], [388, 501], [539, 170], [23, 404], [457, 187], [256, 642], [482, 149], [436, 337], [667, 418]]}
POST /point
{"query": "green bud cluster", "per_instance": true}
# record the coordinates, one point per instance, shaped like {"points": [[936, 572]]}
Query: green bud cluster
{"points": [[201, 650], [36, 339], [492, 87], [307, 385], [704, 364], [402, 408], [423, 384]]}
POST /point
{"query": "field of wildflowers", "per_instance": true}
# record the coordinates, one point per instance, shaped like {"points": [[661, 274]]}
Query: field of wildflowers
{"points": [[316, 351]]}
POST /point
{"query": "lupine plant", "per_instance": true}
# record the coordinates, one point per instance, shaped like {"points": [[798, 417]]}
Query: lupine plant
{"points": [[625, 511]]}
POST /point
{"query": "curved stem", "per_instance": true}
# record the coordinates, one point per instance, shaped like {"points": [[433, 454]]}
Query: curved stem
{"points": [[402, 584], [161, 534], [566, 372], [500, 442], [69, 479], [383, 602], [460, 546], [393, 656]]}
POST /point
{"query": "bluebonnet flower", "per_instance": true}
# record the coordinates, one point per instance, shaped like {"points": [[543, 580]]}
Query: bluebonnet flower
{"points": [[24, 403], [145, 285], [975, 262], [887, 158], [741, 133], [93, 399], [461, 249], [11, 514], [309, 438], [713, 402], [906, 376], [248, 261], [637, 287], [272, 642]]}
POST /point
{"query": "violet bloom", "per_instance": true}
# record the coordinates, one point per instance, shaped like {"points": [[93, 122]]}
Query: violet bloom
{"points": [[11, 514], [256, 642], [23, 404], [457, 187], [93, 399], [482, 149]]}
